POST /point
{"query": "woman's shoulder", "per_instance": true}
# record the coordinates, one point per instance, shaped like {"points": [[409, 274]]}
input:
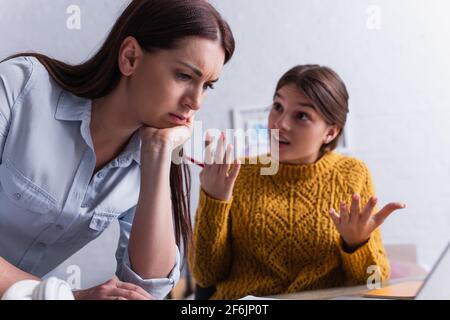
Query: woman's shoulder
{"points": [[19, 63], [22, 73], [15, 73], [22, 66]]}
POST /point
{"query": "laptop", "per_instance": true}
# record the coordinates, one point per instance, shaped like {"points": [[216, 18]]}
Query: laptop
{"points": [[437, 284]]}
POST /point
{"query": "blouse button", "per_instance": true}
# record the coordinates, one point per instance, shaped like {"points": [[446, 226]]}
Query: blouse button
{"points": [[17, 196]]}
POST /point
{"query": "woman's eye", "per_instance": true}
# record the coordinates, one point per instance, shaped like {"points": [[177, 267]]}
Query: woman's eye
{"points": [[302, 116], [183, 77], [209, 86], [277, 107]]}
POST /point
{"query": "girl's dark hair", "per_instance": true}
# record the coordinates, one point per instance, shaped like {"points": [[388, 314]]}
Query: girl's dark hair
{"points": [[327, 92], [156, 25]]}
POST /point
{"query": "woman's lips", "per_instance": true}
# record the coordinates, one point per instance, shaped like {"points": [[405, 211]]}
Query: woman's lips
{"points": [[177, 119]]}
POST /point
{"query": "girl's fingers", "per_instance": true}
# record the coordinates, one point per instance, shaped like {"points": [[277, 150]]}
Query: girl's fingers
{"points": [[368, 209], [386, 211], [218, 157], [232, 175], [208, 139], [227, 160], [229, 156], [335, 217], [355, 208], [344, 214], [209, 153]]}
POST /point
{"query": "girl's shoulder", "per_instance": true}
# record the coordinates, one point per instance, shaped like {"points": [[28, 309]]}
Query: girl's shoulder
{"points": [[335, 163], [350, 167], [251, 168], [255, 163], [345, 162]]}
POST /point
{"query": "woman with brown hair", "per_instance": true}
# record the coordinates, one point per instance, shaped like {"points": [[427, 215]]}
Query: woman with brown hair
{"points": [[82, 145], [270, 234]]}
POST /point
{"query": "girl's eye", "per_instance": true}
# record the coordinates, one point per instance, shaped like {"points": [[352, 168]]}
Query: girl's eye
{"points": [[302, 116], [277, 107], [183, 77]]}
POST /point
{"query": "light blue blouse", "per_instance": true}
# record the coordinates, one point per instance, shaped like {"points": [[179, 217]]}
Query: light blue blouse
{"points": [[49, 206]]}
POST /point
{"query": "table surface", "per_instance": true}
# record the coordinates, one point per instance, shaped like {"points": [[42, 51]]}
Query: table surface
{"points": [[345, 292]]}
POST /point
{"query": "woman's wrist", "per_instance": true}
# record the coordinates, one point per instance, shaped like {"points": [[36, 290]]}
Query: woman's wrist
{"points": [[154, 152], [156, 146]]}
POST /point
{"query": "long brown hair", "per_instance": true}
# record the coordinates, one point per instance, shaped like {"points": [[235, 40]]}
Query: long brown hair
{"points": [[327, 92], [156, 25]]}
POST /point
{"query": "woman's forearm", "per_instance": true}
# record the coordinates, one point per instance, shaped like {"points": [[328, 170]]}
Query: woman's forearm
{"points": [[9, 275], [152, 247]]}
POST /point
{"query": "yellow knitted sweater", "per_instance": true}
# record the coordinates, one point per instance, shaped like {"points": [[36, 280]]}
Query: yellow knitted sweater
{"points": [[275, 235]]}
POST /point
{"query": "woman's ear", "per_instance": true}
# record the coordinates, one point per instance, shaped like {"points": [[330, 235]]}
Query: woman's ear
{"points": [[129, 54], [331, 134]]}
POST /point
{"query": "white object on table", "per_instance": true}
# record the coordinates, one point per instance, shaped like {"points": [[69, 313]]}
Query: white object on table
{"points": [[50, 289]]}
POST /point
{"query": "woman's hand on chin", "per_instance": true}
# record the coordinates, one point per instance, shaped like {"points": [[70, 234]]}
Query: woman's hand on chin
{"points": [[166, 139]]}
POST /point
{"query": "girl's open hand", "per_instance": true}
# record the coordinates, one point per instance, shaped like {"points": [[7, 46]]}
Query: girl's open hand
{"points": [[355, 226], [216, 179]]}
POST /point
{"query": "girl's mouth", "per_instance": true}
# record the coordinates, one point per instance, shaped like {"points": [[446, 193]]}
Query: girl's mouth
{"points": [[281, 140]]}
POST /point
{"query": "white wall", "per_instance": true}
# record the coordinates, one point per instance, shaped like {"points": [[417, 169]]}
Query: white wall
{"points": [[396, 77]]}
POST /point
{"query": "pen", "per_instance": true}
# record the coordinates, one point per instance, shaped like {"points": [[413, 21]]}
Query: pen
{"points": [[195, 162]]}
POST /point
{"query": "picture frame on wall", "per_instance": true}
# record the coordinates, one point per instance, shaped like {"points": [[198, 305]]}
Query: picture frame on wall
{"points": [[253, 120]]}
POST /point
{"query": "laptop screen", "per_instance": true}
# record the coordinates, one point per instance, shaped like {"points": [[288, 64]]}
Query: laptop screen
{"points": [[437, 284]]}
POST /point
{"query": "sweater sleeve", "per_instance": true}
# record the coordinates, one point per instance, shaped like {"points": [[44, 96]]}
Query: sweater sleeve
{"points": [[369, 262], [210, 255]]}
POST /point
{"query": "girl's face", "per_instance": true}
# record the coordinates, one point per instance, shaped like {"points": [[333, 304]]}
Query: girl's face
{"points": [[168, 86], [302, 130]]}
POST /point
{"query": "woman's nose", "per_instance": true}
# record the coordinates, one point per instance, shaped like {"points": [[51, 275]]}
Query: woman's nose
{"points": [[194, 99]]}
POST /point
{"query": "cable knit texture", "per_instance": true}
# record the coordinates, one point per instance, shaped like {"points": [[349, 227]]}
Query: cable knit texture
{"points": [[275, 235]]}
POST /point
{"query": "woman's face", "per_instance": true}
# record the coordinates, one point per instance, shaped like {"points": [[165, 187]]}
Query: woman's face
{"points": [[168, 86], [302, 130]]}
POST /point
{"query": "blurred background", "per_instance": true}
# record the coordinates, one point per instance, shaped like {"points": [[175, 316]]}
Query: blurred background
{"points": [[393, 55]]}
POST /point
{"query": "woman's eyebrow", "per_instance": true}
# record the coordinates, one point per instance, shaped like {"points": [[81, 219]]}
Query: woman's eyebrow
{"points": [[196, 70]]}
